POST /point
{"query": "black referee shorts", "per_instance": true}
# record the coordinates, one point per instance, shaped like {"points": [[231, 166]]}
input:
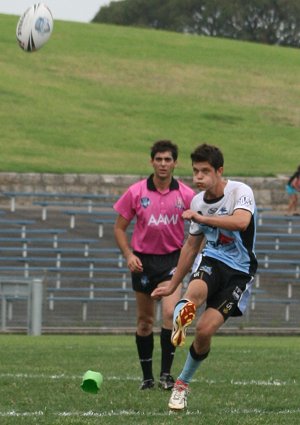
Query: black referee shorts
{"points": [[156, 269]]}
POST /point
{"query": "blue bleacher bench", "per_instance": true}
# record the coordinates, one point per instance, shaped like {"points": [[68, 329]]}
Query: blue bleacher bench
{"points": [[90, 205], [100, 214], [13, 195]]}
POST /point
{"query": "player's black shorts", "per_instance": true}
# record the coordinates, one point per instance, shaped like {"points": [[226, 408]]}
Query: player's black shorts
{"points": [[228, 289], [156, 269]]}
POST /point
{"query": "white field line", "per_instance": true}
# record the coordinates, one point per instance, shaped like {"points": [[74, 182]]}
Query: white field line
{"points": [[133, 413], [269, 382]]}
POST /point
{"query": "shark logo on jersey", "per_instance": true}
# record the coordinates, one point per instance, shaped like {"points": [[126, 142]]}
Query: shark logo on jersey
{"points": [[145, 202], [244, 201], [179, 204], [223, 211]]}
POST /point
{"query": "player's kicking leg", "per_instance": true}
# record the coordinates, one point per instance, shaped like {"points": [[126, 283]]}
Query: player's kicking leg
{"points": [[184, 314]]}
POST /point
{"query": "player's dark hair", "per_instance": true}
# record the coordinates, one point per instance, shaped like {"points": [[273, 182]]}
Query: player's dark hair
{"points": [[208, 153], [163, 146]]}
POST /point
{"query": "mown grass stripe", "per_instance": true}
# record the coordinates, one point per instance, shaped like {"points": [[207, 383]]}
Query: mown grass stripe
{"points": [[269, 382], [133, 413]]}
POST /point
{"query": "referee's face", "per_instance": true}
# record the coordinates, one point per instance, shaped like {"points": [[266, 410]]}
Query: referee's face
{"points": [[163, 164]]}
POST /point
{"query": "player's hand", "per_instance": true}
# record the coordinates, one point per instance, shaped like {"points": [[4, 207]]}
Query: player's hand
{"points": [[191, 215], [134, 264], [161, 291]]}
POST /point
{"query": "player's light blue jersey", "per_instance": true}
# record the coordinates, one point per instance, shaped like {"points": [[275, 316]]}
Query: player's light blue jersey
{"points": [[234, 248]]}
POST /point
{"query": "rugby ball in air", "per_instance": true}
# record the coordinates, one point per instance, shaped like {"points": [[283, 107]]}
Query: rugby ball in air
{"points": [[34, 27]]}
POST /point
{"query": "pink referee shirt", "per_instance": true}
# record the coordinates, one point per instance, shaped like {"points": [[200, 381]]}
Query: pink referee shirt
{"points": [[159, 228]]}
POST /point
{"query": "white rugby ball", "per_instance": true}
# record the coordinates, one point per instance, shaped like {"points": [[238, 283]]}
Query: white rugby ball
{"points": [[34, 27]]}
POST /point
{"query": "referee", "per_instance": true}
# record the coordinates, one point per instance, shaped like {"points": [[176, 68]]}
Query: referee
{"points": [[157, 204]]}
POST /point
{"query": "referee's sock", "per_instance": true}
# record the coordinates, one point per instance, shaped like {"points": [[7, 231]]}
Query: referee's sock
{"points": [[145, 345], [167, 351]]}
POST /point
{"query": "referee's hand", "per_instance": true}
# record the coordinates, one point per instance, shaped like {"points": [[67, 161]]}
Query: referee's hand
{"points": [[134, 264]]}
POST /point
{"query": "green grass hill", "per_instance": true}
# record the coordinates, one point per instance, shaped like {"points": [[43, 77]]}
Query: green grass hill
{"points": [[96, 97]]}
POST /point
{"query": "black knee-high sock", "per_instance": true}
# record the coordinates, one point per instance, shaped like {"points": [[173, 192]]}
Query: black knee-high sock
{"points": [[167, 351], [145, 345]]}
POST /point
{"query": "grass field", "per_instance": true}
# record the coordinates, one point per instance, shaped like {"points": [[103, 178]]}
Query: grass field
{"points": [[245, 380], [96, 97]]}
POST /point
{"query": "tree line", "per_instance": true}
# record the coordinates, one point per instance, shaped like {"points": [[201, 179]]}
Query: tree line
{"points": [[263, 21]]}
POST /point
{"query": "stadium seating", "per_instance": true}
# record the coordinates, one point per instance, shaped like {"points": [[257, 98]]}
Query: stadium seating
{"points": [[46, 196], [86, 281], [88, 206], [278, 240]]}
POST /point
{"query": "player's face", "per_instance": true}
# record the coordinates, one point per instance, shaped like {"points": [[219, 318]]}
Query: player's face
{"points": [[205, 177], [163, 164]]}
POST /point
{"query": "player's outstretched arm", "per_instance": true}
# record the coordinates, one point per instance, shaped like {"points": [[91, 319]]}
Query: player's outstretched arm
{"points": [[187, 256]]}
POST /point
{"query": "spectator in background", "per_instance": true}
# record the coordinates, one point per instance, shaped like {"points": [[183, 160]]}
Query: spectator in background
{"points": [[157, 203], [292, 188]]}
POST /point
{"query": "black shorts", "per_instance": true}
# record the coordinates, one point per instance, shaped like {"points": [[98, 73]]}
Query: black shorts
{"points": [[228, 289], [156, 269]]}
